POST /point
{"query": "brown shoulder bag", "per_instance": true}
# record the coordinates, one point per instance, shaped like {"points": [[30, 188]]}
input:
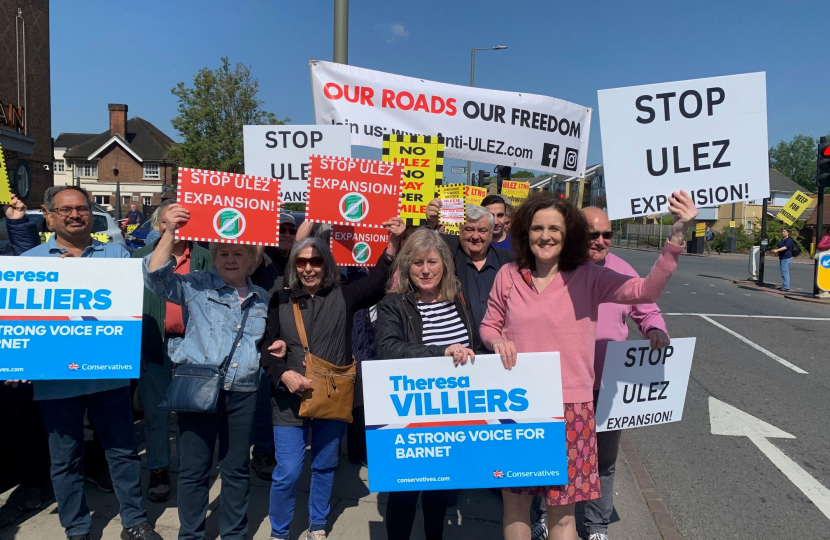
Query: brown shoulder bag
{"points": [[331, 396]]}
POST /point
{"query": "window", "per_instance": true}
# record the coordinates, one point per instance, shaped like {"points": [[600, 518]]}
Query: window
{"points": [[58, 165], [87, 169], [125, 200], [102, 199], [100, 223], [145, 201], [151, 171]]}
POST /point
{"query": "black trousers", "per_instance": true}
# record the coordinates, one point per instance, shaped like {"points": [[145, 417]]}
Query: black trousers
{"points": [[356, 435], [400, 513]]}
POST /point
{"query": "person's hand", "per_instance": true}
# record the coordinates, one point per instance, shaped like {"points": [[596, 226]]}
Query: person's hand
{"points": [[507, 351], [683, 208], [176, 217], [16, 210], [433, 213], [658, 338], [14, 384], [278, 349], [295, 382], [396, 228], [459, 354]]}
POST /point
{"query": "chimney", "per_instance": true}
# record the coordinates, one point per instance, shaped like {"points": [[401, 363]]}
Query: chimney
{"points": [[118, 120]]}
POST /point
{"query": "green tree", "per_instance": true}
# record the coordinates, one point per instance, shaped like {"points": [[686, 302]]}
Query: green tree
{"points": [[211, 116], [796, 159], [522, 174]]}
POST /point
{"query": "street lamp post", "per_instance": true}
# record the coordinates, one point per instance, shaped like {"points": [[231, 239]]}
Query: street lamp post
{"points": [[472, 81]]}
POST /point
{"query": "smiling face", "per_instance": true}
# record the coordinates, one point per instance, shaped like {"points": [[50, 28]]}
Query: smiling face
{"points": [[547, 235], [598, 224], [310, 269], [233, 263], [476, 237], [425, 273], [499, 215], [71, 217]]}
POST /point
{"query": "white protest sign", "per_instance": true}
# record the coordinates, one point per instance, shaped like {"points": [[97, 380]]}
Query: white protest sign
{"points": [[507, 128], [283, 152], [705, 136], [641, 386]]}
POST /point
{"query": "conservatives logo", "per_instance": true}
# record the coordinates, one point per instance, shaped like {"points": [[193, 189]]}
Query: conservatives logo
{"points": [[498, 474], [354, 207], [74, 367]]}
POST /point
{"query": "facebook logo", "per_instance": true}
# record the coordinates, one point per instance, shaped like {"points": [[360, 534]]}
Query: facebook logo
{"points": [[550, 155]]}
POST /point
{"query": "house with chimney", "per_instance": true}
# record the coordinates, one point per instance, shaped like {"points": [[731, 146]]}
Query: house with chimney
{"points": [[131, 153]]}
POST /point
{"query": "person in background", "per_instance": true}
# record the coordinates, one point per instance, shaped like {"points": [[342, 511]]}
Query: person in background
{"points": [[785, 258], [288, 233], [68, 213], [496, 205], [549, 301], [134, 216], [162, 331], [327, 310], [424, 314], [225, 312], [508, 218], [21, 230], [707, 239]]}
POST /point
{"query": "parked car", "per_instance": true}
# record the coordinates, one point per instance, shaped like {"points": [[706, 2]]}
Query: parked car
{"points": [[101, 223], [138, 237]]}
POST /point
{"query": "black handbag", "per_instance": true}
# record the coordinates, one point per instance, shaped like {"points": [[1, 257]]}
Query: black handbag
{"points": [[195, 387]]}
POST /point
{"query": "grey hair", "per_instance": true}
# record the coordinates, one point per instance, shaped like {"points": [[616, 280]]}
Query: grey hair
{"points": [[155, 219], [475, 212], [214, 247], [420, 244], [49, 196], [331, 275]]}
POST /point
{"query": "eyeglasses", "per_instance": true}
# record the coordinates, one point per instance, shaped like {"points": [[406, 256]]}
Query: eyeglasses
{"points": [[64, 211], [607, 235], [288, 230], [315, 262]]}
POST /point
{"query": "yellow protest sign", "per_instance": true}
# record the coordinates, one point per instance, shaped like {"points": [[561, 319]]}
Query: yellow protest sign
{"points": [[423, 161], [452, 206], [131, 228], [474, 195], [732, 224], [793, 208], [5, 186], [516, 192], [700, 229], [101, 237]]}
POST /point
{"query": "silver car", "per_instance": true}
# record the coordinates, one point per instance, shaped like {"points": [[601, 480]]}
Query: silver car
{"points": [[102, 223]]}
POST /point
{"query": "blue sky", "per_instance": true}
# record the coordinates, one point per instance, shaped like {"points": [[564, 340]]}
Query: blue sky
{"points": [[135, 52]]}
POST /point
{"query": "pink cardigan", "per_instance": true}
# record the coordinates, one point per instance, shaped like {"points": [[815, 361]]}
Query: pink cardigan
{"points": [[563, 317]]}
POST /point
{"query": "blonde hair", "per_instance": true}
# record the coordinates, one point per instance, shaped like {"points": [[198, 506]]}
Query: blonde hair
{"points": [[421, 243], [214, 247]]}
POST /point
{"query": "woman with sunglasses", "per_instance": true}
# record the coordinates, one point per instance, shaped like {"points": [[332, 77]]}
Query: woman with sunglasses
{"points": [[327, 310]]}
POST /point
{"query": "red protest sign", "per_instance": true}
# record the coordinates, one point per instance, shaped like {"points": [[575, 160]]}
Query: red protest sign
{"points": [[357, 246], [228, 207], [350, 191]]}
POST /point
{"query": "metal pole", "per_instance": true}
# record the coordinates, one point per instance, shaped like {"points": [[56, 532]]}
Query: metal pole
{"points": [[472, 83], [732, 241], [341, 31], [763, 244], [819, 220], [117, 205]]}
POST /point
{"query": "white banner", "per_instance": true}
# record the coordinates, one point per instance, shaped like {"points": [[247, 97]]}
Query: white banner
{"points": [[641, 386], [283, 152], [507, 128], [706, 136]]}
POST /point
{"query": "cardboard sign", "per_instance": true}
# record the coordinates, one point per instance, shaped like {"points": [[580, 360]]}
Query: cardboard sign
{"points": [[5, 186], [349, 191], [88, 310], [516, 192], [700, 229], [823, 273], [522, 130], [430, 425], [794, 207], [643, 387], [283, 152], [356, 245], [230, 208], [423, 168], [452, 207], [474, 195], [705, 136], [131, 228]]}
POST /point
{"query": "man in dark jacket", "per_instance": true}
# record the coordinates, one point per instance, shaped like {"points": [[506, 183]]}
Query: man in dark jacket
{"points": [[162, 330], [134, 216], [22, 231]]}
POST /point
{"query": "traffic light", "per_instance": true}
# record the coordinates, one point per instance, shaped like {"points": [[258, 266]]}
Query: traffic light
{"points": [[823, 163], [503, 172], [482, 175]]}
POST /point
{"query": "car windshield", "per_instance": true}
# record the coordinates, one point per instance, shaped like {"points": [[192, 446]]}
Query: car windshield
{"points": [[148, 224]]}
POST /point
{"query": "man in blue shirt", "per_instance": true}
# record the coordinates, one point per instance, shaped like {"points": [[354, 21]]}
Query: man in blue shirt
{"points": [[785, 257], [63, 403]]}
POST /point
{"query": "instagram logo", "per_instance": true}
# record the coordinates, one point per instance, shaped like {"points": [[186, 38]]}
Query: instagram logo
{"points": [[571, 159]]}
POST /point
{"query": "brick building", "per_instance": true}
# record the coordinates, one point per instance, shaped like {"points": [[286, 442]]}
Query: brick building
{"points": [[25, 99], [132, 152]]}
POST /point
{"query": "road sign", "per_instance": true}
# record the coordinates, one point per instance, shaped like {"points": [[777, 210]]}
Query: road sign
{"points": [[823, 274], [700, 229], [793, 208], [459, 170], [732, 224]]}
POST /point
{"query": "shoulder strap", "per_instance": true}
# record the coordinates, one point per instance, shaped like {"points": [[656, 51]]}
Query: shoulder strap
{"points": [[238, 337], [298, 320]]}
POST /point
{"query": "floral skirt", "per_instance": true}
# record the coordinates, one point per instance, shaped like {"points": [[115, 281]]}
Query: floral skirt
{"points": [[583, 477]]}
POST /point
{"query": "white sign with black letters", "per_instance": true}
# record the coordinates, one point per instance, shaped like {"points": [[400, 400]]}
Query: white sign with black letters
{"points": [[643, 387], [705, 136], [283, 152]]}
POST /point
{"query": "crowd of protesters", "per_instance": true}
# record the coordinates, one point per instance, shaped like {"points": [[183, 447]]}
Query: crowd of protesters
{"points": [[538, 278]]}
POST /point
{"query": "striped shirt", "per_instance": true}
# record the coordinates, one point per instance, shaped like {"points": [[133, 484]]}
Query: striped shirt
{"points": [[442, 324]]}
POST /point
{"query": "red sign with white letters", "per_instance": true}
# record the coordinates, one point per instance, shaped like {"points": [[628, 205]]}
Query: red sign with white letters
{"points": [[357, 246]]}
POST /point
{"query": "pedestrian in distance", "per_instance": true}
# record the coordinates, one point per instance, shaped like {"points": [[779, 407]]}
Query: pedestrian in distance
{"points": [[63, 404], [785, 258], [424, 315], [501, 209], [326, 310], [225, 311], [549, 301], [134, 216], [162, 332], [707, 239]]}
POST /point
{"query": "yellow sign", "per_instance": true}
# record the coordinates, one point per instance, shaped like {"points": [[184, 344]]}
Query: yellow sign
{"points": [[823, 274], [474, 195], [700, 229], [131, 228], [423, 161], [731, 223], [516, 192], [452, 206], [5, 187], [101, 237], [793, 208]]}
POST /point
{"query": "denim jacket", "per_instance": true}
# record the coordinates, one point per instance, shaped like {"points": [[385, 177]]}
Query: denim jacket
{"points": [[212, 320]]}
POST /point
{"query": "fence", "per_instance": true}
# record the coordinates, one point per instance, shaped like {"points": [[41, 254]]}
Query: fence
{"points": [[646, 242]]}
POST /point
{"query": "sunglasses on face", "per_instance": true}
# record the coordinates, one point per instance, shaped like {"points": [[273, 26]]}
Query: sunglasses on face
{"points": [[315, 262], [288, 230], [607, 235]]}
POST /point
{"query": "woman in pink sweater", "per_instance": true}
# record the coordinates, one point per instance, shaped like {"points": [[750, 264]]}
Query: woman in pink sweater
{"points": [[548, 300]]}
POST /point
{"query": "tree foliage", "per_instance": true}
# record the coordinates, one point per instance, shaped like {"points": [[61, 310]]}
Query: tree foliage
{"points": [[796, 159], [211, 116]]}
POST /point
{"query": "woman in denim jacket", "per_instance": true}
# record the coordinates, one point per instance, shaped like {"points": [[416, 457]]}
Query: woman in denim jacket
{"points": [[215, 302]]}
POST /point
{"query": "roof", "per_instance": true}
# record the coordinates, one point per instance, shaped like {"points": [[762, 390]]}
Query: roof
{"points": [[825, 219], [68, 140], [143, 138], [780, 182]]}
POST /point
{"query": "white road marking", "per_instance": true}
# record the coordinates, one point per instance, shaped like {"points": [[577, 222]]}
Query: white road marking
{"points": [[693, 293], [728, 420], [748, 316], [756, 346], [722, 294]]}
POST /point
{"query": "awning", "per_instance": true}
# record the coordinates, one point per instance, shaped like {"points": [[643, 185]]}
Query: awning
{"points": [[16, 142]]}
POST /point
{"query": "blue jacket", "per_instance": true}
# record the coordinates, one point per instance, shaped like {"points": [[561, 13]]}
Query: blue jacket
{"points": [[22, 236], [212, 319]]}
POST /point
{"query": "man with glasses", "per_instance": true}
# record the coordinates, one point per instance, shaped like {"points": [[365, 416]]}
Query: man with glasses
{"points": [[108, 401]]}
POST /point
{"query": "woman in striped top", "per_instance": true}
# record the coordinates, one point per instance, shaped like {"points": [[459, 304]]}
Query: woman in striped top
{"points": [[423, 315]]}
